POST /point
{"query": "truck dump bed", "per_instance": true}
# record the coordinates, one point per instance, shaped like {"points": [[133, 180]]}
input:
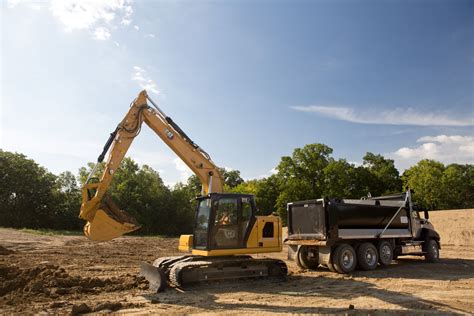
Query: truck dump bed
{"points": [[330, 220]]}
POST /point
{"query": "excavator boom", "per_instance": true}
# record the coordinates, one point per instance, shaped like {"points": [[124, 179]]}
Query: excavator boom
{"points": [[105, 220]]}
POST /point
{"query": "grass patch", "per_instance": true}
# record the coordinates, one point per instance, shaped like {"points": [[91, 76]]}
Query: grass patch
{"points": [[51, 232]]}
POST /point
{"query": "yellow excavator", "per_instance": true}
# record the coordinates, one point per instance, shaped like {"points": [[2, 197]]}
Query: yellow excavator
{"points": [[226, 227]]}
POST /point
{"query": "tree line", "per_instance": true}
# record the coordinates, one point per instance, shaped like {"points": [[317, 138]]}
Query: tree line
{"points": [[33, 197]]}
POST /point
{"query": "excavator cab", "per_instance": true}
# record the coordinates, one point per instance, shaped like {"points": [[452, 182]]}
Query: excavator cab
{"points": [[227, 224], [223, 221]]}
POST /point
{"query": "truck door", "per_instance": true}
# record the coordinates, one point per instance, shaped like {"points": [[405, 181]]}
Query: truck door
{"points": [[415, 224]]}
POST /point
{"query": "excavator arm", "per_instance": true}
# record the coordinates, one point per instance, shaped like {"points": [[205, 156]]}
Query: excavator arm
{"points": [[105, 220]]}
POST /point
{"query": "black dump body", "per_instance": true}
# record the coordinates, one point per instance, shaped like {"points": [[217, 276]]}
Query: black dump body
{"points": [[323, 219]]}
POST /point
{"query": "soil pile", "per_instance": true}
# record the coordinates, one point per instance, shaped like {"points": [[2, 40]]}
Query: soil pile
{"points": [[52, 281], [4, 251], [456, 227]]}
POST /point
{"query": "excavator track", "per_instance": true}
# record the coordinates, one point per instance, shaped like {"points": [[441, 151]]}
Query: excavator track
{"points": [[183, 271], [212, 269]]}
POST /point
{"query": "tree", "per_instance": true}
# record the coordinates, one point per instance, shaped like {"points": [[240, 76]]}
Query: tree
{"points": [[68, 197], [232, 178], [26, 192], [338, 179], [425, 179], [140, 191], [301, 176], [386, 178], [265, 190], [194, 185], [458, 186]]}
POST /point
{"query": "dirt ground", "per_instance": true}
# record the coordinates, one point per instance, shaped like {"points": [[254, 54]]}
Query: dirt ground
{"points": [[70, 274]]}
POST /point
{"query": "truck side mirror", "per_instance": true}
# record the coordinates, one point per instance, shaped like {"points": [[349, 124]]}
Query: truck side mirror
{"points": [[427, 215]]}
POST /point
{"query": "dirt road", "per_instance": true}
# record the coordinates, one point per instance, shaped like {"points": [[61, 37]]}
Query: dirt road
{"points": [[64, 274]]}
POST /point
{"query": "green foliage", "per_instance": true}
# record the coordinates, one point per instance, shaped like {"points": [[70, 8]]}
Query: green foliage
{"points": [[265, 190], [458, 186], [438, 187], [425, 180], [194, 185], [26, 192], [232, 178], [33, 198], [306, 165], [385, 178], [68, 201], [140, 191], [338, 179]]}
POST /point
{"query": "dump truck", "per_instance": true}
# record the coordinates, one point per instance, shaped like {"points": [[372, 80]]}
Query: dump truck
{"points": [[345, 234]]}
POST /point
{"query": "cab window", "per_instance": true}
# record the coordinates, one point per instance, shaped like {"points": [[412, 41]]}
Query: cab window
{"points": [[246, 209], [227, 211], [203, 214]]}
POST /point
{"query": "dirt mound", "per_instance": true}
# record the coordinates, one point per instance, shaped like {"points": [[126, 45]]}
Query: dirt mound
{"points": [[52, 281], [456, 227], [5, 251], [104, 306]]}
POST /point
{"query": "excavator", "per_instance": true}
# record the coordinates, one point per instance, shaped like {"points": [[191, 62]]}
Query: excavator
{"points": [[226, 228]]}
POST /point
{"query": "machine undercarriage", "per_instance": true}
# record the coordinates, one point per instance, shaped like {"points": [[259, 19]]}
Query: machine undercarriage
{"points": [[183, 271]]}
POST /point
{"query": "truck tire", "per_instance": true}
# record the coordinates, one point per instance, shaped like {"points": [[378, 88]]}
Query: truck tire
{"points": [[367, 256], [344, 259], [431, 251], [307, 257], [385, 251], [330, 264]]}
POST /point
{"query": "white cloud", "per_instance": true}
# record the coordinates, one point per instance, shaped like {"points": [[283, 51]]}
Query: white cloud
{"points": [[183, 170], [398, 116], [92, 15], [355, 163], [136, 27], [443, 148], [102, 33], [261, 176], [150, 35], [140, 75], [13, 3]]}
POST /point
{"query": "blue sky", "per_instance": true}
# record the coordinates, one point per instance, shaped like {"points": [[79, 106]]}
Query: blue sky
{"points": [[249, 81]]}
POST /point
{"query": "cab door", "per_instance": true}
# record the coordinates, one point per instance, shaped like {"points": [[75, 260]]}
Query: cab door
{"points": [[415, 224], [234, 216], [226, 233], [201, 226]]}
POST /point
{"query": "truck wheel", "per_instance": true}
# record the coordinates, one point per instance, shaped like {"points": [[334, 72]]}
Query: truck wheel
{"points": [[307, 257], [367, 256], [344, 259], [385, 253], [330, 266], [431, 251]]}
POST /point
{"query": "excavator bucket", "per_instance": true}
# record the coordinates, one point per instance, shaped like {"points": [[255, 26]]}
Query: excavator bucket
{"points": [[109, 222]]}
